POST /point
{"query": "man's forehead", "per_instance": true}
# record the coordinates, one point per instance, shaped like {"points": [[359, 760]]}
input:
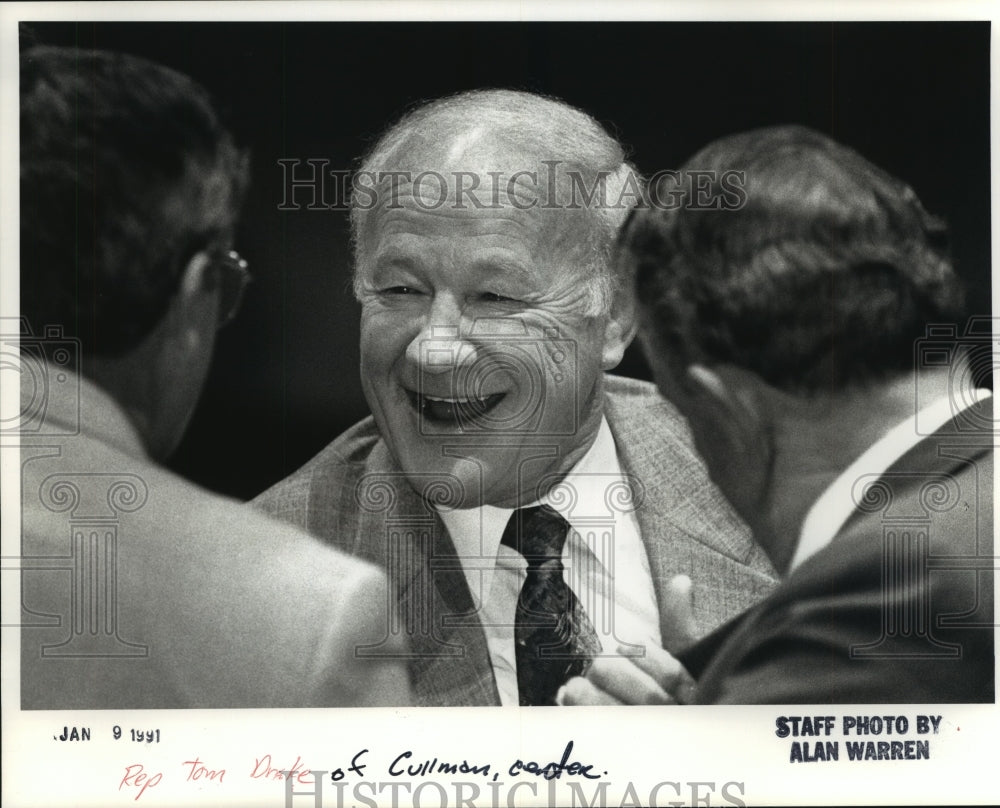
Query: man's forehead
{"points": [[520, 225], [507, 236], [450, 195], [479, 153], [482, 183], [474, 183], [495, 257]]}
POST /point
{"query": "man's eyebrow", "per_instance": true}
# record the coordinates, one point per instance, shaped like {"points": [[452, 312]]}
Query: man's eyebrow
{"points": [[392, 256], [506, 267]]}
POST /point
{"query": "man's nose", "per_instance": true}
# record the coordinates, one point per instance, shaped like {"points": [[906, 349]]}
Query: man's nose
{"points": [[442, 344]]}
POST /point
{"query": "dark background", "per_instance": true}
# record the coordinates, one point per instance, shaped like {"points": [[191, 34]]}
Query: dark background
{"points": [[912, 97]]}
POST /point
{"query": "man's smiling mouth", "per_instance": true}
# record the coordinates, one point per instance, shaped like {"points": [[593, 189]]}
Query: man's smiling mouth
{"points": [[453, 410]]}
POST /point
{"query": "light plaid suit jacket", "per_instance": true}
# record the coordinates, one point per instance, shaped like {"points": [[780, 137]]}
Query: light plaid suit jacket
{"points": [[353, 495]]}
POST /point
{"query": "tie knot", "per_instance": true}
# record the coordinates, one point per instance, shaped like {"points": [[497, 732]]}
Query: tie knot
{"points": [[537, 533]]}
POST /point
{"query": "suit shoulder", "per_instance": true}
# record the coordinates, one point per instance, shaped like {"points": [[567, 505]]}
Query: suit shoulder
{"points": [[336, 464], [624, 387], [246, 593], [823, 637], [352, 446], [639, 404], [296, 631]]}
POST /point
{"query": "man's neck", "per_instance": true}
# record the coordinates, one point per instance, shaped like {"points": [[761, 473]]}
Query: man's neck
{"points": [[817, 439], [128, 389]]}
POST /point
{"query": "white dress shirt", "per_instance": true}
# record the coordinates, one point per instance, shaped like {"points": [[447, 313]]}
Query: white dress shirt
{"points": [[604, 562], [836, 504]]}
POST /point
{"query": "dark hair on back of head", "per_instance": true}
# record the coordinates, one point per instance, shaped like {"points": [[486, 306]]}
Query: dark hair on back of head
{"points": [[824, 277], [126, 172]]}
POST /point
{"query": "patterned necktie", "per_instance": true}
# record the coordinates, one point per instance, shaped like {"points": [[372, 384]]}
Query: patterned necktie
{"points": [[553, 637]]}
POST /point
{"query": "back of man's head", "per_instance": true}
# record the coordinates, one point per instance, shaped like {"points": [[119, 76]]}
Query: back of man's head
{"points": [[126, 173], [823, 278]]}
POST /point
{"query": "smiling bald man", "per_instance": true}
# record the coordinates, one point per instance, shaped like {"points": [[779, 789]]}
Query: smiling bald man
{"points": [[512, 489]]}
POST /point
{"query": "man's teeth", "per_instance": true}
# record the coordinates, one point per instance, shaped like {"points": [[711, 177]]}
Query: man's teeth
{"points": [[453, 400], [447, 408]]}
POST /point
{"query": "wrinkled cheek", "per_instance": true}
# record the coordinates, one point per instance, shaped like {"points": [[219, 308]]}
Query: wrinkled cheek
{"points": [[375, 365], [383, 341]]}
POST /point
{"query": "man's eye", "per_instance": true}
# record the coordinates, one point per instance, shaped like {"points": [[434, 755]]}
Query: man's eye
{"points": [[400, 290], [493, 297]]}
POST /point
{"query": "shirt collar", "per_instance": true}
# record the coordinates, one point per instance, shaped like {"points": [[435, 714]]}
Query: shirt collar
{"points": [[476, 532], [835, 505]]}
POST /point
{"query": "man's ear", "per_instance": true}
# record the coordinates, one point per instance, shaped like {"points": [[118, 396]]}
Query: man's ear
{"points": [[194, 276], [727, 409], [728, 397], [713, 397], [195, 303], [158, 382], [181, 360], [619, 331]]}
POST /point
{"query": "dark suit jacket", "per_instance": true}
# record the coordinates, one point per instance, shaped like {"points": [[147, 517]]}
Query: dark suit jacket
{"points": [[354, 496], [897, 608]]}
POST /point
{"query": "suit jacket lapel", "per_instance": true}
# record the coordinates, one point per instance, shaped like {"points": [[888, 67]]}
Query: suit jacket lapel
{"points": [[449, 660], [663, 473], [453, 665]]}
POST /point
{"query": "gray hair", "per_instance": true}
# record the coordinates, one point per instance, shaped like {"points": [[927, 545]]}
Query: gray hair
{"points": [[540, 128]]}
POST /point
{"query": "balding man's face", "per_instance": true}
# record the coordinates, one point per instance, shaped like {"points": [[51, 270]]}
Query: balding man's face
{"points": [[480, 357]]}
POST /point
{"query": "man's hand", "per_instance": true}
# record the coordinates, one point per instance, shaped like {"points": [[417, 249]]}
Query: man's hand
{"points": [[653, 678]]}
